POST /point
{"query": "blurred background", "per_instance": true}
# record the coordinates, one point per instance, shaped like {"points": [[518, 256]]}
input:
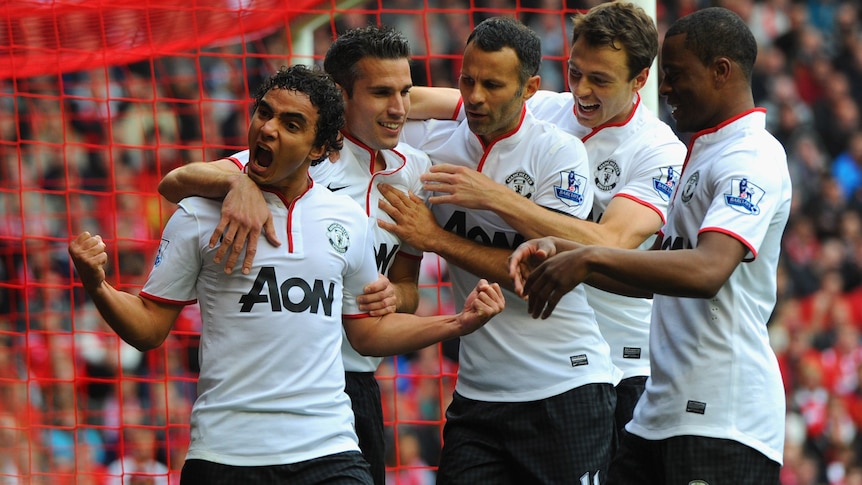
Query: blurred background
{"points": [[98, 100]]}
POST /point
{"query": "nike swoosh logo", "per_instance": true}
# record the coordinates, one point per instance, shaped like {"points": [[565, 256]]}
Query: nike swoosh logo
{"points": [[335, 189]]}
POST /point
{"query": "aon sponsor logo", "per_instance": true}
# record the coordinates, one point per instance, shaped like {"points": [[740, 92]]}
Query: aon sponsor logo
{"points": [[294, 294], [458, 224]]}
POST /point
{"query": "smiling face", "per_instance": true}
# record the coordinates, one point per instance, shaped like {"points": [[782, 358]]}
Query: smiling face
{"points": [[599, 81], [281, 141], [376, 111], [688, 87], [492, 94]]}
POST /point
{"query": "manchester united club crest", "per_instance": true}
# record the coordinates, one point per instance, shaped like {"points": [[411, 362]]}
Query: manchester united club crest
{"points": [[689, 187], [607, 175], [522, 183], [338, 237]]}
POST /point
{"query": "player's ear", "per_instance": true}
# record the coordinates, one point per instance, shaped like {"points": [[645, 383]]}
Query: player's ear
{"points": [[531, 87], [317, 152], [640, 79]]}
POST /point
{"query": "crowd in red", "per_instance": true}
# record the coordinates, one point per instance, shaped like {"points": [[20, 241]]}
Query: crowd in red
{"points": [[85, 151]]}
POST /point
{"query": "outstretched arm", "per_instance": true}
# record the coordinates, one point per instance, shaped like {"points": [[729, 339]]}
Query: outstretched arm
{"points": [[401, 333], [428, 103], [141, 322], [692, 273], [244, 211], [625, 224]]}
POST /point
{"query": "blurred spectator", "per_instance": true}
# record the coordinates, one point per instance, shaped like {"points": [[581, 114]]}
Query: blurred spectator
{"points": [[811, 398], [768, 19], [555, 33], [808, 164], [71, 442], [836, 114], [827, 207], [840, 362], [847, 166], [138, 464], [411, 468], [801, 467]]}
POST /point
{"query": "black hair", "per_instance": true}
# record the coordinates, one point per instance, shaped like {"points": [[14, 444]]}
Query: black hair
{"points": [[495, 33], [356, 44], [717, 32], [620, 25], [324, 95]]}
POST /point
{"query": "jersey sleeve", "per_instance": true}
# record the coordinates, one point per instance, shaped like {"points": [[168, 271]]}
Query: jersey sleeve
{"points": [[419, 164], [747, 193], [240, 159], [173, 278], [656, 176], [563, 183], [361, 268], [427, 135]]}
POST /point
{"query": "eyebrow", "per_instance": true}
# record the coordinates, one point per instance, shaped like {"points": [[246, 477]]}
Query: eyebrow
{"points": [[388, 88], [286, 116]]}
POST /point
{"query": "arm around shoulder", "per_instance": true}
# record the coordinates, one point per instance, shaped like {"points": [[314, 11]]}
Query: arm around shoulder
{"points": [[205, 179]]}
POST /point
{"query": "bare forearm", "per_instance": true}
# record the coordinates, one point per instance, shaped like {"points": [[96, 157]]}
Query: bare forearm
{"points": [[204, 179], [433, 103], [534, 221], [483, 261], [688, 273], [402, 333], [130, 316]]}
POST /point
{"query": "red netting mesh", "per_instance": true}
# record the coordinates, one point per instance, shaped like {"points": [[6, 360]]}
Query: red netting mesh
{"points": [[68, 35]]}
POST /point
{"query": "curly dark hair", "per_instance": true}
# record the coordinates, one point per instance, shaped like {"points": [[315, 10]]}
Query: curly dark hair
{"points": [[620, 25], [324, 95], [495, 33], [356, 44], [717, 32]]}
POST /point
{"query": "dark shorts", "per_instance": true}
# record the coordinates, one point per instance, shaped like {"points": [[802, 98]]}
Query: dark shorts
{"points": [[348, 468], [563, 439], [690, 459], [629, 390], [364, 393]]}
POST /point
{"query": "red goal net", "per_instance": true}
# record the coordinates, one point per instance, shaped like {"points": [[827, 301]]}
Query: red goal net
{"points": [[98, 100]]}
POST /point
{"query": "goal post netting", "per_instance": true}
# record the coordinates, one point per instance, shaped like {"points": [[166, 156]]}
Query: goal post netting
{"points": [[98, 100]]}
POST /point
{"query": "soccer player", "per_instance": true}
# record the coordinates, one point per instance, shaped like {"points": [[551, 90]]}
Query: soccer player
{"points": [[271, 406], [532, 403], [713, 408], [635, 161], [372, 67]]}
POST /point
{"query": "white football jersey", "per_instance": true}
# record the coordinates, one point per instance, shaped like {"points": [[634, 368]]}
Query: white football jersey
{"points": [[353, 175], [271, 385], [639, 159], [515, 358], [715, 373]]}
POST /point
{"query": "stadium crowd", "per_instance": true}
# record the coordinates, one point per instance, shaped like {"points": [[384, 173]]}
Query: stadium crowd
{"points": [[77, 404]]}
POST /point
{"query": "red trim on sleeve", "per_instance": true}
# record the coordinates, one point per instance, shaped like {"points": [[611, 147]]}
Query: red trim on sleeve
{"points": [[166, 300], [645, 204], [457, 109], [735, 236], [236, 162], [355, 316]]}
